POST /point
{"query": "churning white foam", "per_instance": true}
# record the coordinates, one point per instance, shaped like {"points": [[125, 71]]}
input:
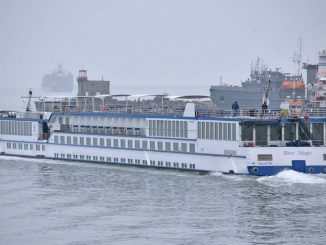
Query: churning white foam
{"points": [[292, 177]]}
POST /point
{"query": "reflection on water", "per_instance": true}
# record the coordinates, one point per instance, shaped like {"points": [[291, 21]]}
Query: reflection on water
{"points": [[52, 202]]}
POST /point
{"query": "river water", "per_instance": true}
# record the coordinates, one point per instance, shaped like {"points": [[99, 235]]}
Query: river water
{"points": [[56, 202]]}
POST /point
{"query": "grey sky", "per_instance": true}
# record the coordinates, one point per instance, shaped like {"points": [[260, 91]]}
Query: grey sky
{"points": [[155, 45]]}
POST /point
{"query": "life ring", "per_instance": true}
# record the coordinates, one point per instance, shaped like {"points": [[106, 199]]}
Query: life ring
{"points": [[255, 170], [311, 170]]}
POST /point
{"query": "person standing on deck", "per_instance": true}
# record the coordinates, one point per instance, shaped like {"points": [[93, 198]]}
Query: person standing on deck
{"points": [[264, 108], [235, 108]]}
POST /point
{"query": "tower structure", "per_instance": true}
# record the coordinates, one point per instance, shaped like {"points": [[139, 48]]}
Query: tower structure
{"points": [[91, 87]]}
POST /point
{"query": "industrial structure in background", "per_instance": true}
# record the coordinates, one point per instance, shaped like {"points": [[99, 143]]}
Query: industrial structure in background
{"points": [[91, 87], [58, 81]]}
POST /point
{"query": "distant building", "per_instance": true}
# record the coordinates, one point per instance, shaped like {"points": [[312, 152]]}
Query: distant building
{"points": [[91, 87]]}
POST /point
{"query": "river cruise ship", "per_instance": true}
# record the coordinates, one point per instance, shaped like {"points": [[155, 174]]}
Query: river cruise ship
{"points": [[167, 132]]}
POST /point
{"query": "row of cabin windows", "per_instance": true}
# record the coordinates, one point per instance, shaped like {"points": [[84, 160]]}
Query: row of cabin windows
{"points": [[125, 160], [15, 128], [290, 132], [125, 143], [168, 128], [25, 146], [217, 130], [102, 130]]}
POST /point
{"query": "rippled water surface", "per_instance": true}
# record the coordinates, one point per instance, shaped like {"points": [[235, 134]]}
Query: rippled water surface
{"points": [[52, 202]]}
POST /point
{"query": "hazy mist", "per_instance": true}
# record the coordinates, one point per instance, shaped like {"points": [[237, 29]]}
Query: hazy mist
{"points": [[177, 46]]}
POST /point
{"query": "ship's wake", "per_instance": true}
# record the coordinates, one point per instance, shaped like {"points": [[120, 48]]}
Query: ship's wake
{"points": [[289, 177]]}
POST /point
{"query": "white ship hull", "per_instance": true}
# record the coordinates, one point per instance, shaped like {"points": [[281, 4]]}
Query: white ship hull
{"points": [[153, 159]]}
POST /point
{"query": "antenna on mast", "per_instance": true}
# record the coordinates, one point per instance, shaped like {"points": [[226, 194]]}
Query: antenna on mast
{"points": [[297, 57]]}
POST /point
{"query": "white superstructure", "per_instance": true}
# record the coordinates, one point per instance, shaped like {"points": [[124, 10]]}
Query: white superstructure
{"points": [[191, 136]]}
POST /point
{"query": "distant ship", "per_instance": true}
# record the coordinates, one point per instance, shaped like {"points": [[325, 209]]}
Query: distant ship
{"points": [[58, 81], [250, 93]]}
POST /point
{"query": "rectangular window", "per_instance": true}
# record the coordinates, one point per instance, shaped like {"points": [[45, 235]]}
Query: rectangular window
{"points": [[38, 148], [108, 142], [192, 147], [20, 146], [137, 144], [211, 130], [160, 146], [182, 129], [152, 145], [101, 142], [144, 144], [115, 143], [216, 131], [177, 129], [25, 147], [234, 134], [175, 146], [265, 157], [88, 140], [173, 128], [62, 139], [225, 131], [247, 132], [167, 146], [8, 145], [199, 135], [14, 145], [94, 141], [165, 126], [43, 147], [56, 140], [75, 140], [129, 143], [150, 130], [169, 128], [207, 130], [220, 131], [31, 147], [203, 130], [69, 140], [184, 147], [229, 131], [123, 143], [154, 128]]}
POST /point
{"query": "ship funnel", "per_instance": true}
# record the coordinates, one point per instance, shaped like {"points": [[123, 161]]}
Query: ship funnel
{"points": [[82, 75]]}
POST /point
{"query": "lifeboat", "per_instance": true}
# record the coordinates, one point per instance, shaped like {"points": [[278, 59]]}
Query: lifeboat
{"points": [[288, 84]]}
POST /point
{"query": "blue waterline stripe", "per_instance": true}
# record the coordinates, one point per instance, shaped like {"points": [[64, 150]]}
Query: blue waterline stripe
{"points": [[273, 170]]}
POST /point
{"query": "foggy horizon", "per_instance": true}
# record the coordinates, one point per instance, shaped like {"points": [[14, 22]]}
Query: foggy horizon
{"points": [[154, 46]]}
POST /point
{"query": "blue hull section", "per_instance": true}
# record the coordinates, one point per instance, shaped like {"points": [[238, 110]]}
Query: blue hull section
{"points": [[299, 167]]}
